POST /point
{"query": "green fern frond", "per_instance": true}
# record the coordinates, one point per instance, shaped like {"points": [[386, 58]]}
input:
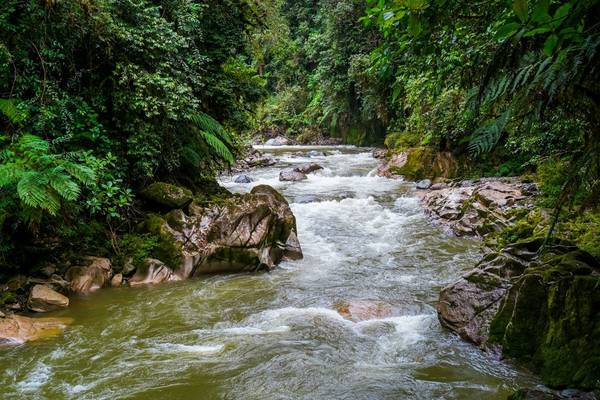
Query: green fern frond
{"points": [[33, 190], [10, 109], [488, 135], [220, 148], [206, 123], [63, 184], [80, 172]]}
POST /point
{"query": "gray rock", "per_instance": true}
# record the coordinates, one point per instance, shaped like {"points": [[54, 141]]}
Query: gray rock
{"points": [[314, 153], [153, 272], [278, 141], [243, 179], [424, 184], [308, 168], [379, 153], [291, 175]]}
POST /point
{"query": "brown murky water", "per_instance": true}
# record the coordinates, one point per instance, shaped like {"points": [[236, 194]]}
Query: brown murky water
{"points": [[277, 335]]}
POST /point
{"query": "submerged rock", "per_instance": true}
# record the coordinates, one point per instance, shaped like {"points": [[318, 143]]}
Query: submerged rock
{"points": [[544, 311], [95, 275], [243, 179], [167, 195], [44, 299], [17, 329], [363, 310], [291, 175]]}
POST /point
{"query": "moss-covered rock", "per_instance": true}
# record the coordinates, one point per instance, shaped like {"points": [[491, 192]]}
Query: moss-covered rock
{"points": [[545, 310], [167, 195], [422, 163], [236, 233]]}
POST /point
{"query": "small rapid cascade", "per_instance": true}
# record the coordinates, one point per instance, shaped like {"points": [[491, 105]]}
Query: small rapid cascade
{"points": [[354, 319]]}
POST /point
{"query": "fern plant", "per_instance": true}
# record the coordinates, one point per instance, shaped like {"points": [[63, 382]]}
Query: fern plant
{"points": [[208, 132], [39, 178]]}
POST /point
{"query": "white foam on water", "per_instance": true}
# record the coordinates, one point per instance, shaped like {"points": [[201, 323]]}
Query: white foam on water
{"points": [[37, 378], [187, 348], [251, 330]]}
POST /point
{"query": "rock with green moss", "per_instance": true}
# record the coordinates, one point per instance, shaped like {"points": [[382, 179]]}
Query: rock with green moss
{"points": [[421, 163], [238, 233], [167, 195], [476, 208], [541, 310]]}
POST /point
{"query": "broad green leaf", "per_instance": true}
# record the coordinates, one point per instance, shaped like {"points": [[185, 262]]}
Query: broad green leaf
{"points": [[414, 25], [560, 15], [537, 31], [507, 31], [540, 11], [520, 8], [550, 45]]}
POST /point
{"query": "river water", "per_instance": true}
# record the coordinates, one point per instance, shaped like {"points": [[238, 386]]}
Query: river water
{"points": [[278, 335]]}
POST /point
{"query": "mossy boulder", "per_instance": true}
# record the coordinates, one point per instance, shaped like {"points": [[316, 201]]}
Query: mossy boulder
{"points": [[167, 195], [422, 163], [237, 233], [541, 310]]}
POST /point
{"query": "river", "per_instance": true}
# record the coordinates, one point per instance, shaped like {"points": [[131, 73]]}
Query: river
{"points": [[278, 335]]}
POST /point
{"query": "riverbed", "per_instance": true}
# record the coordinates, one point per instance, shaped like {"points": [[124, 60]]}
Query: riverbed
{"points": [[279, 335]]}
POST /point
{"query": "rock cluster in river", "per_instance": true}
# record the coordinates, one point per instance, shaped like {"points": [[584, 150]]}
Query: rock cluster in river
{"points": [[543, 310], [476, 208]]}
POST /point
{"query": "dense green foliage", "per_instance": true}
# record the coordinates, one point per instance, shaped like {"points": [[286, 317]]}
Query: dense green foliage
{"points": [[99, 98]]}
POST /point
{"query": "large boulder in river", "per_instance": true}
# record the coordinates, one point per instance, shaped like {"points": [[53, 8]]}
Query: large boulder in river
{"points": [[542, 310], [18, 329], [88, 278], [44, 299], [420, 163], [240, 233], [291, 175], [167, 195]]}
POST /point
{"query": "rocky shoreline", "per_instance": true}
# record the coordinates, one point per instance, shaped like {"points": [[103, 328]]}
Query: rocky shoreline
{"points": [[538, 306], [231, 233]]}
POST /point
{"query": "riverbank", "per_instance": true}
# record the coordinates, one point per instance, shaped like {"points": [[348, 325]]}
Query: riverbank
{"points": [[530, 299]]}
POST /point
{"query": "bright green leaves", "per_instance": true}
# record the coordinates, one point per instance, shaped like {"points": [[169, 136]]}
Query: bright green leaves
{"points": [[507, 31], [395, 16], [39, 178], [520, 7], [545, 23]]}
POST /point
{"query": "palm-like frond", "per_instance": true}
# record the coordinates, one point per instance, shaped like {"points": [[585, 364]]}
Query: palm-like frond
{"points": [[218, 146]]}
